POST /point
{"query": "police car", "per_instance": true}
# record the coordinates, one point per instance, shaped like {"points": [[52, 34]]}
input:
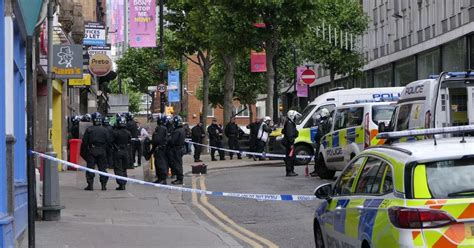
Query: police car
{"points": [[412, 194], [354, 128]]}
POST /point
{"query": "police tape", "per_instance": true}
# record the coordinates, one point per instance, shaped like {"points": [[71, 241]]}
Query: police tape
{"points": [[258, 197], [244, 153]]}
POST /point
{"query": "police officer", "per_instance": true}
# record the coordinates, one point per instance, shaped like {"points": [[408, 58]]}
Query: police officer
{"points": [[197, 135], [232, 133], [136, 144], [289, 135], [324, 126], [74, 131], [169, 149], [159, 142], [110, 150], [215, 138], [122, 139], [93, 150], [177, 143], [253, 127]]}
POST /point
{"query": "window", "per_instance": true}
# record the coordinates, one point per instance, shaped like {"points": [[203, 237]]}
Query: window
{"points": [[346, 180], [210, 111], [454, 55], [307, 111], [242, 111], [313, 121], [405, 71], [410, 116], [382, 113], [349, 117], [372, 178], [428, 64], [383, 76]]}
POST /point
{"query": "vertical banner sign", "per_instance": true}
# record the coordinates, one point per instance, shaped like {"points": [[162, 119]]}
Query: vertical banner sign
{"points": [[142, 23], [258, 61], [173, 86], [119, 20], [301, 87]]}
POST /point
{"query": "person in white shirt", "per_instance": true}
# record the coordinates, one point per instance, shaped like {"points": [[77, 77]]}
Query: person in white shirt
{"points": [[263, 133]]}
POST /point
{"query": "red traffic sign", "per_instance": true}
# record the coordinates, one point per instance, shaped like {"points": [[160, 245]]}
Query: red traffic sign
{"points": [[308, 76], [161, 88]]}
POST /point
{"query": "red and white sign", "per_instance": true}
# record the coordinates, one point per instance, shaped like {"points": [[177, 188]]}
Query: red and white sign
{"points": [[161, 88], [308, 76]]}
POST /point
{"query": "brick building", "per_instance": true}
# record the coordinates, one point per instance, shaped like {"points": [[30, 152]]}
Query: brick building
{"points": [[192, 81]]}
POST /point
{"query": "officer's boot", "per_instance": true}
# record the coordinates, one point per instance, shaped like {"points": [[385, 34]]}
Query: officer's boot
{"points": [[90, 187], [121, 187], [104, 186]]}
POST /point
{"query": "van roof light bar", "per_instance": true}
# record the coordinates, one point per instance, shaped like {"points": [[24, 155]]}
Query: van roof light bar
{"points": [[421, 132]]}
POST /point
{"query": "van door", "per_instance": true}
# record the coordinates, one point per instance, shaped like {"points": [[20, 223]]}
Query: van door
{"points": [[352, 134], [332, 144]]}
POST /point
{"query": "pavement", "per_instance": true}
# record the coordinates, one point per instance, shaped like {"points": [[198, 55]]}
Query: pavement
{"points": [[141, 216]]}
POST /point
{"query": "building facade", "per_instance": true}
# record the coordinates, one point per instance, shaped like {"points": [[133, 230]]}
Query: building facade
{"points": [[409, 40]]}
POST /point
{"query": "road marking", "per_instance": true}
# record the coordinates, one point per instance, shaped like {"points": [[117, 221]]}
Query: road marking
{"points": [[220, 223], [225, 218]]}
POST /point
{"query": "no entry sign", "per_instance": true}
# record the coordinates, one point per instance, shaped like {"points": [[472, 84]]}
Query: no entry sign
{"points": [[308, 76]]}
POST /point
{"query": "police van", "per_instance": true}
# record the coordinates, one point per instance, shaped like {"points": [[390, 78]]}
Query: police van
{"points": [[354, 128], [307, 124], [445, 100]]}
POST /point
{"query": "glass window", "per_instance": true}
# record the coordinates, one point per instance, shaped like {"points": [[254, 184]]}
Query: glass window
{"points": [[314, 118], [428, 64], [410, 116], [346, 180], [405, 71], [210, 111], [454, 56], [451, 178], [244, 113], [370, 179], [307, 111], [349, 117], [383, 76], [382, 113]]}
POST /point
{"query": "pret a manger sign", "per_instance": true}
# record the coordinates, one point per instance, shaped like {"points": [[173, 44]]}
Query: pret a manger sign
{"points": [[100, 64]]}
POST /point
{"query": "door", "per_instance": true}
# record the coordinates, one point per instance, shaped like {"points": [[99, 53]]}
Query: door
{"points": [[351, 134], [334, 142]]}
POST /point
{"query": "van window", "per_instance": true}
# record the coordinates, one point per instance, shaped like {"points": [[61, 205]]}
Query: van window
{"points": [[348, 117], [451, 178], [410, 116], [314, 121], [382, 113], [307, 111]]}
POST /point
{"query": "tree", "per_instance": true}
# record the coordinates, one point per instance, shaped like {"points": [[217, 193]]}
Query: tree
{"points": [[283, 19], [342, 16], [191, 36]]}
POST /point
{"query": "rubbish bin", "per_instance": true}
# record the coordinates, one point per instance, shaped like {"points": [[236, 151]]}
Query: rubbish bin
{"points": [[74, 152]]}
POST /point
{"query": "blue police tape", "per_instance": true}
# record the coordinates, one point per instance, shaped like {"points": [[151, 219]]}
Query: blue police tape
{"points": [[243, 153], [258, 197]]}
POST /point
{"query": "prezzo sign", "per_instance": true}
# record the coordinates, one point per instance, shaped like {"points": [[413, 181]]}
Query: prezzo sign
{"points": [[94, 34]]}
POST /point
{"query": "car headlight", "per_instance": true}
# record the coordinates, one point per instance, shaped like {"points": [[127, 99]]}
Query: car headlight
{"points": [[279, 137]]}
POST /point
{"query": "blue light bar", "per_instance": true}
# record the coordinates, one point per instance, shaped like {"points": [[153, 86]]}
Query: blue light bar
{"points": [[434, 76], [460, 74], [422, 132]]}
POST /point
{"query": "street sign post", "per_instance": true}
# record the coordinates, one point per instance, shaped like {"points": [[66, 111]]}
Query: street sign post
{"points": [[161, 88], [308, 76]]}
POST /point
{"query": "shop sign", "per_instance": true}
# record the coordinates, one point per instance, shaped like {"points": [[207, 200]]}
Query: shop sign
{"points": [[67, 61], [100, 64], [85, 81], [94, 34]]}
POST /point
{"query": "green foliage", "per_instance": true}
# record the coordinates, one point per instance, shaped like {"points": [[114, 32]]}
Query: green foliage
{"points": [[127, 89], [346, 16]]}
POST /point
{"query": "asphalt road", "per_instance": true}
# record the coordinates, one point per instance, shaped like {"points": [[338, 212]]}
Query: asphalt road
{"points": [[269, 223]]}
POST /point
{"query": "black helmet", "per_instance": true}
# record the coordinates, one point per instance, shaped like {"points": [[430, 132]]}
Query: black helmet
{"points": [[160, 119], [96, 119], [76, 119], [106, 121], [128, 116], [121, 121], [87, 118], [177, 121]]}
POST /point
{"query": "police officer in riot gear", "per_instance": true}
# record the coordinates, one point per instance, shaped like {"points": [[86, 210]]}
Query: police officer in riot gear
{"points": [[136, 144], [177, 143], [290, 133], [215, 138], [122, 139], [93, 150], [110, 150], [74, 130], [232, 133], [324, 127], [169, 149], [159, 142]]}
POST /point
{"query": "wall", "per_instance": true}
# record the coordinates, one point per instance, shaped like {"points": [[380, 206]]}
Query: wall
{"points": [[88, 9]]}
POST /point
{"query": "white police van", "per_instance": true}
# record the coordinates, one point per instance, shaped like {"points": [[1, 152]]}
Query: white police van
{"points": [[445, 101], [307, 124], [354, 128]]}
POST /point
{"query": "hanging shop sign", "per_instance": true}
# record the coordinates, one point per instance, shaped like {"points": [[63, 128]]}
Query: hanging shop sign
{"points": [[100, 64], [67, 61], [86, 80], [94, 34]]}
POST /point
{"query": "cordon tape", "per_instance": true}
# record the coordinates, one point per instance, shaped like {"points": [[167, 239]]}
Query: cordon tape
{"points": [[258, 197]]}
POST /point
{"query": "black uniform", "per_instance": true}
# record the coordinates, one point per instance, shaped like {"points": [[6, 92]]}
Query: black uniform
{"points": [[290, 133], [169, 148], [159, 141], [93, 150], [75, 130], [122, 139], [197, 135], [136, 146], [110, 149], [232, 133], [177, 144], [215, 138]]}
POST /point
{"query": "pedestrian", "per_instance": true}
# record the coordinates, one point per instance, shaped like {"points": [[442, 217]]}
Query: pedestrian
{"points": [[232, 134], [136, 144], [197, 135], [159, 142], [122, 139], [142, 135], [177, 142], [110, 150], [289, 135], [93, 150], [324, 126], [253, 127], [215, 138], [262, 136]]}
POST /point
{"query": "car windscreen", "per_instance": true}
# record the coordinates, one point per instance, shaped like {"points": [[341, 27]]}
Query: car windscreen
{"points": [[451, 178], [307, 111], [382, 113]]}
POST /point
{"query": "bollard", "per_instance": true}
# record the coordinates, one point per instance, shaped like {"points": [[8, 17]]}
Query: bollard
{"points": [[51, 208]]}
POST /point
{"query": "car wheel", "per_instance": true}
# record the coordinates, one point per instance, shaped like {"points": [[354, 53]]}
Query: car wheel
{"points": [[322, 170], [303, 150], [318, 235]]}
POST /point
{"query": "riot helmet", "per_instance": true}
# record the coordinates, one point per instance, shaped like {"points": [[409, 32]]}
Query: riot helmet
{"points": [[96, 119]]}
